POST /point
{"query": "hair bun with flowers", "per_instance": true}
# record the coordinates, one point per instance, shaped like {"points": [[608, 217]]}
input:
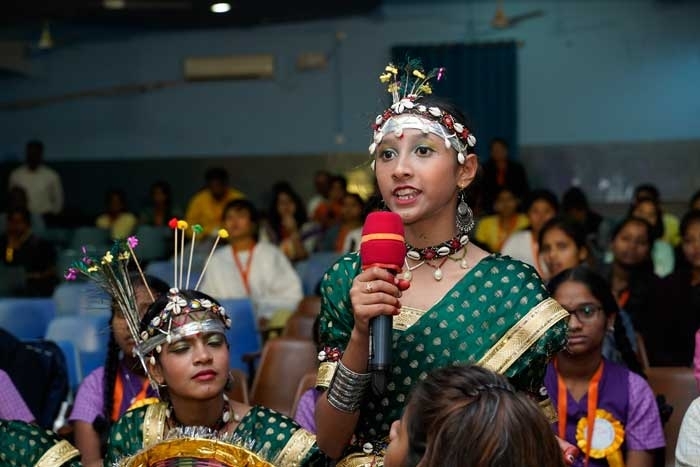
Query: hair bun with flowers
{"points": [[406, 85]]}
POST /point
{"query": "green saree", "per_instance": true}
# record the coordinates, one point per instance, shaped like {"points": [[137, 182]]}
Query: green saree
{"points": [[499, 316], [24, 444], [263, 437]]}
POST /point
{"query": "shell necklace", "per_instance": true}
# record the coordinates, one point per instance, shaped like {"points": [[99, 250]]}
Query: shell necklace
{"points": [[446, 248], [437, 274]]}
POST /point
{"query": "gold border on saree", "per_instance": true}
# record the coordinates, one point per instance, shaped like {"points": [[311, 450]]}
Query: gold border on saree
{"points": [[296, 449], [522, 335], [59, 454]]}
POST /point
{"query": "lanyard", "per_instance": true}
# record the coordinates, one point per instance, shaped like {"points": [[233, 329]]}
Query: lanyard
{"points": [[119, 396], [244, 271], [562, 401], [624, 298]]}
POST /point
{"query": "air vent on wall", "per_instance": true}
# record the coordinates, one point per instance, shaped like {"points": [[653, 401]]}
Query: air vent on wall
{"points": [[229, 67]]}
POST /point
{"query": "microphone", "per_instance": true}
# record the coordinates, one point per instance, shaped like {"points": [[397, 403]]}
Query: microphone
{"points": [[382, 245]]}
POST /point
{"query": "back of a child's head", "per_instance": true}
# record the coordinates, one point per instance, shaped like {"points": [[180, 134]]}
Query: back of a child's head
{"points": [[469, 416]]}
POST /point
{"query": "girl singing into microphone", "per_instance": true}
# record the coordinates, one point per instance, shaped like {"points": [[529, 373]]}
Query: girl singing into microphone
{"points": [[452, 303]]}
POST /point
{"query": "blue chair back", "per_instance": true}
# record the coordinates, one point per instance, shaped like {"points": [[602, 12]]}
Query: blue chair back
{"points": [[89, 334], [26, 318], [311, 270], [73, 364], [243, 337], [80, 297], [163, 270], [153, 243]]}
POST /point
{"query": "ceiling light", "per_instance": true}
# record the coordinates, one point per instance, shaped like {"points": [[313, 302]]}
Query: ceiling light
{"points": [[221, 7]]}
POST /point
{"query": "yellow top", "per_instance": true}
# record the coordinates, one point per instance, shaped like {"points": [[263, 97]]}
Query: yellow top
{"points": [[490, 233], [207, 211]]}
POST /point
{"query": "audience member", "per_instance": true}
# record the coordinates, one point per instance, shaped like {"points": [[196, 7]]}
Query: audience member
{"points": [[207, 206], [673, 339], [670, 222], [492, 231], [17, 199], [110, 390], [469, 416], [117, 219], [661, 251], [288, 227], [591, 391], [688, 444], [160, 209], [574, 204], [41, 183], [562, 244], [352, 217], [35, 256], [631, 273], [12, 406], [542, 205], [248, 268], [322, 184], [330, 212], [502, 172]]}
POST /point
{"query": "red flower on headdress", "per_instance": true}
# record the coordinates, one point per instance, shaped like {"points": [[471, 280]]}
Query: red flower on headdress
{"points": [[447, 120]]}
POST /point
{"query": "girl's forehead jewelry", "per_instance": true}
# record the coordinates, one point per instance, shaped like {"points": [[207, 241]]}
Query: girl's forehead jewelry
{"points": [[406, 85]]}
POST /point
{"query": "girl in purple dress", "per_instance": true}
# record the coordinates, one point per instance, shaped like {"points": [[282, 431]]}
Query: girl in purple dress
{"points": [[107, 392], [604, 408]]}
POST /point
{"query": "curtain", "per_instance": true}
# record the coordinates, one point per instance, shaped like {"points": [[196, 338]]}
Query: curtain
{"points": [[481, 79]]}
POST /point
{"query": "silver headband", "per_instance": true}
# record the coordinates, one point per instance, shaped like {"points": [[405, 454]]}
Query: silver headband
{"points": [[397, 124], [207, 326]]}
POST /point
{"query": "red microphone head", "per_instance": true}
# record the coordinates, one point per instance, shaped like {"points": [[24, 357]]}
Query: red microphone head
{"points": [[383, 241]]}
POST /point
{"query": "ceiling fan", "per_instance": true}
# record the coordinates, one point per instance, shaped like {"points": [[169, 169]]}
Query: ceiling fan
{"points": [[501, 20]]}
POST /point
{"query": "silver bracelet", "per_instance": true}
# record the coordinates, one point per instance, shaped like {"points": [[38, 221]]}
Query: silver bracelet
{"points": [[347, 389]]}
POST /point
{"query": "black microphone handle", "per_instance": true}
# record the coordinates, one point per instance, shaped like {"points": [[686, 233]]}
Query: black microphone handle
{"points": [[380, 342]]}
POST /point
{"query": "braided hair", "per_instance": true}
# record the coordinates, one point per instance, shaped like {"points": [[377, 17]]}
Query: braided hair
{"points": [[103, 422], [467, 415]]}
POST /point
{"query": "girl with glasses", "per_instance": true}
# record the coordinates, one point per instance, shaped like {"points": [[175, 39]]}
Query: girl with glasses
{"points": [[603, 407]]}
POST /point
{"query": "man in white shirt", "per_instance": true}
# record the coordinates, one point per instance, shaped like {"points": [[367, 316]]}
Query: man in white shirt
{"points": [[41, 183]]}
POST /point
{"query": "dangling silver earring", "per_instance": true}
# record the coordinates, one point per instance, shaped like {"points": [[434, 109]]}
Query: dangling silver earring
{"points": [[465, 216]]}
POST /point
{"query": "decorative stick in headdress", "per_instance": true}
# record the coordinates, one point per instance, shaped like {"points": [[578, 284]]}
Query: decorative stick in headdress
{"points": [[181, 225], [173, 225], [223, 233], [131, 243], [195, 230]]}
